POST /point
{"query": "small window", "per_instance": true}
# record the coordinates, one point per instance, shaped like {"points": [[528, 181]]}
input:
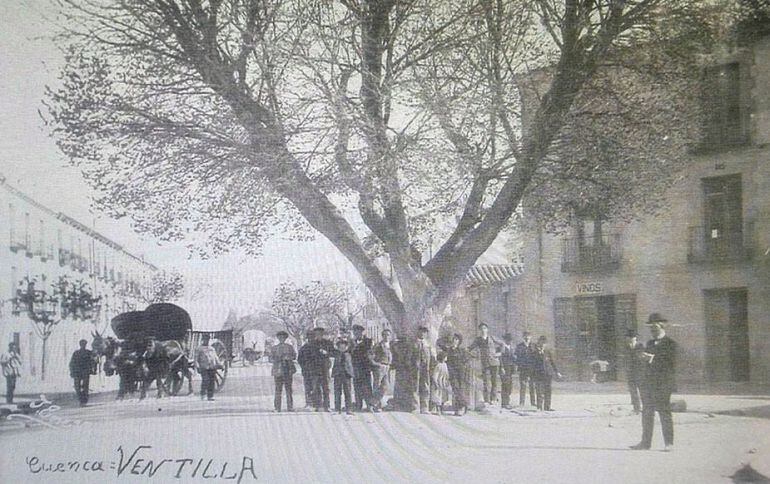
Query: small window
{"points": [[724, 114]]}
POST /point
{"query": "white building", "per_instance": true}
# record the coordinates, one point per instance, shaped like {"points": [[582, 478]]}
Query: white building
{"points": [[39, 243]]}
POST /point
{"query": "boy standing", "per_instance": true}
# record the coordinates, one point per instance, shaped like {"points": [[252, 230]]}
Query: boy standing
{"points": [[342, 373]]}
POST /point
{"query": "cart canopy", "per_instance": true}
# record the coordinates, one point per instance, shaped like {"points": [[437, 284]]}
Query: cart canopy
{"points": [[163, 321]]}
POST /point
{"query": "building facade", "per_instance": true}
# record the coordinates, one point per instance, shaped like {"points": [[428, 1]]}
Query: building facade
{"points": [[40, 244], [703, 263]]}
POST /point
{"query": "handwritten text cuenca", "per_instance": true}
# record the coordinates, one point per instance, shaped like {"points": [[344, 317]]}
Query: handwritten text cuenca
{"points": [[137, 462]]}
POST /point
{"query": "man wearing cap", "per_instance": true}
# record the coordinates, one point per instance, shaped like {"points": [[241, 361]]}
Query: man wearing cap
{"points": [[507, 366], [207, 362], [659, 360], [634, 368], [382, 358], [523, 354], [82, 364], [282, 357], [361, 352], [490, 363]]}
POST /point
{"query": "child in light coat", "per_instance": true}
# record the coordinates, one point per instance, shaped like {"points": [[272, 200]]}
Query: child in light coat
{"points": [[440, 386]]}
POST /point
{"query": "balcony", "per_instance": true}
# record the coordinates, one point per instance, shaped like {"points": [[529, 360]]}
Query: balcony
{"points": [[602, 255], [17, 246], [714, 246], [64, 257]]}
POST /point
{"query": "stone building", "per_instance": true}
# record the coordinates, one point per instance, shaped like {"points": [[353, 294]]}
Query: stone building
{"points": [[702, 263], [42, 244]]}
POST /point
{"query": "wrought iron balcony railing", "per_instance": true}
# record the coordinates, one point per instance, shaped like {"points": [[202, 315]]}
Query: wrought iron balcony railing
{"points": [[720, 245], [592, 255]]}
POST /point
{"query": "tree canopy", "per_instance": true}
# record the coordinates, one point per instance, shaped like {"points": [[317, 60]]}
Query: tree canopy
{"points": [[380, 124]]}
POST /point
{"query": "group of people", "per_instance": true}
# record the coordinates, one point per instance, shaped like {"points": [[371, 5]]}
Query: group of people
{"points": [[432, 378], [428, 378]]}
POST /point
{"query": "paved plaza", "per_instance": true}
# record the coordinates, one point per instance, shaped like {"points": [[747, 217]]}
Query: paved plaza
{"points": [[237, 437]]}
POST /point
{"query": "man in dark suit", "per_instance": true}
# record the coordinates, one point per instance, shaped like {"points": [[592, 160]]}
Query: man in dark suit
{"points": [[318, 364], [82, 365], [303, 358], [659, 360], [523, 355], [634, 368], [544, 371], [490, 363], [507, 367], [361, 353]]}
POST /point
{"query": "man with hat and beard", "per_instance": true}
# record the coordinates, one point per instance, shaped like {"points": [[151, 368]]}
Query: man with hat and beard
{"points": [[658, 361]]}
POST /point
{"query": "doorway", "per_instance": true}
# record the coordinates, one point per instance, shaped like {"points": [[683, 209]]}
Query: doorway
{"points": [[727, 335]]}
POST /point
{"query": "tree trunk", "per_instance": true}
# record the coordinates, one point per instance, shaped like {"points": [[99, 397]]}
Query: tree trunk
{"points": [[42, 362]]}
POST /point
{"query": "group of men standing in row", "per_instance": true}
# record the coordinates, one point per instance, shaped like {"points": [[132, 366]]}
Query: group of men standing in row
{"points": [[360, 370], [423, 372]]}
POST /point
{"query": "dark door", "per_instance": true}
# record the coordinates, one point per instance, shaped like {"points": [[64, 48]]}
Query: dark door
{"points": [[625, 319], [738, 335], [727, 337], [606, 333], [566, 337]]}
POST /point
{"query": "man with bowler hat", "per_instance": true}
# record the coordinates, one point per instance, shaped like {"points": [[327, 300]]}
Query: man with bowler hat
{"points": [[658, 360]]}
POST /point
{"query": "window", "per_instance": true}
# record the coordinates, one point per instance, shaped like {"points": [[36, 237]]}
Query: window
{"points": [[724, 113], [26, 231], [12, 221], [41, 239], [14, 281], [723, 211], [589, 231], [32, 355]]}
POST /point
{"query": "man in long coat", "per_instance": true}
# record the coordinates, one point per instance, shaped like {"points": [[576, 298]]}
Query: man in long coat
{"points": [[320, 351], [361, 353], [523, 355], [82, 364], [544, 370], [659, 383]]}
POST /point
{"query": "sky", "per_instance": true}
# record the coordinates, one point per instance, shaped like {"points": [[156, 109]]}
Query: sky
{"points": [[31, 162]]}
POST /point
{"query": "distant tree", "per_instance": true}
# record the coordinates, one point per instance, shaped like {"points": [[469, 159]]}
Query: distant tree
{"points": [[240, 119], [165, 287], [46, 307], [301, 308]]}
